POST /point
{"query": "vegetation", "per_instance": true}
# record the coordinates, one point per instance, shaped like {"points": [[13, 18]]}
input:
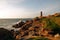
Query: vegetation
{"points": [[38, 38]]}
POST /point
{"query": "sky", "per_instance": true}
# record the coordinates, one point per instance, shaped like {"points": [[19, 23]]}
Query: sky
{"points": [[28, 8]]}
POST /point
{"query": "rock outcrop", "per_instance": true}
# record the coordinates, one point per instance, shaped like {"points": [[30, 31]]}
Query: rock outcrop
{"points": [[19, 24], [6, 35]]}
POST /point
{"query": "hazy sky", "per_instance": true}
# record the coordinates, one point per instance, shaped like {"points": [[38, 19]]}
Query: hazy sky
{"points": [[27, 8]]}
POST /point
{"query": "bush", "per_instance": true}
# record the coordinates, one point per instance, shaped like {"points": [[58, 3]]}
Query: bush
{"points": [[55, 28], [37, 19], [39, 38]]}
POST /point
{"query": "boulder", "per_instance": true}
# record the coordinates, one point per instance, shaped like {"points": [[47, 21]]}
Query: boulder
{"points": [[6, 35]]}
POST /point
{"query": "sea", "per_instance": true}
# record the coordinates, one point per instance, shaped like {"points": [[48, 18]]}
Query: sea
{"points": [[8, 23]]}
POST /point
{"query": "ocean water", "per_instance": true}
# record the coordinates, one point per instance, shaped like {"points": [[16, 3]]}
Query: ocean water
{"points": [[7, 23]]}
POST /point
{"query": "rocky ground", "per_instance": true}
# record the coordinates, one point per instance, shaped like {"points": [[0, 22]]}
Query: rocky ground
{"points": [[47, 27]]}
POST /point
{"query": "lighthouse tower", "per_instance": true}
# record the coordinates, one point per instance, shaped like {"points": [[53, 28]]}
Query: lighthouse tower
{"points": [[41, 14]]}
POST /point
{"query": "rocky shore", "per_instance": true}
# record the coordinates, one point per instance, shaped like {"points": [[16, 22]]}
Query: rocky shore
{"points": [[44, 26], [38, 28]]}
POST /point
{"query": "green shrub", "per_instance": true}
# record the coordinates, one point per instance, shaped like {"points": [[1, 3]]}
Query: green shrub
{"points": [[55, 28], [39, 38]]}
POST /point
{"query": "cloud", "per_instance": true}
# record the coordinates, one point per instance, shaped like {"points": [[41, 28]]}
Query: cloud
{"points": [[9, 11]]}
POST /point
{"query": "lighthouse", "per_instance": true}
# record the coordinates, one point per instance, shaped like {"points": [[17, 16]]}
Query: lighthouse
{"points": [[41, 14]]}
